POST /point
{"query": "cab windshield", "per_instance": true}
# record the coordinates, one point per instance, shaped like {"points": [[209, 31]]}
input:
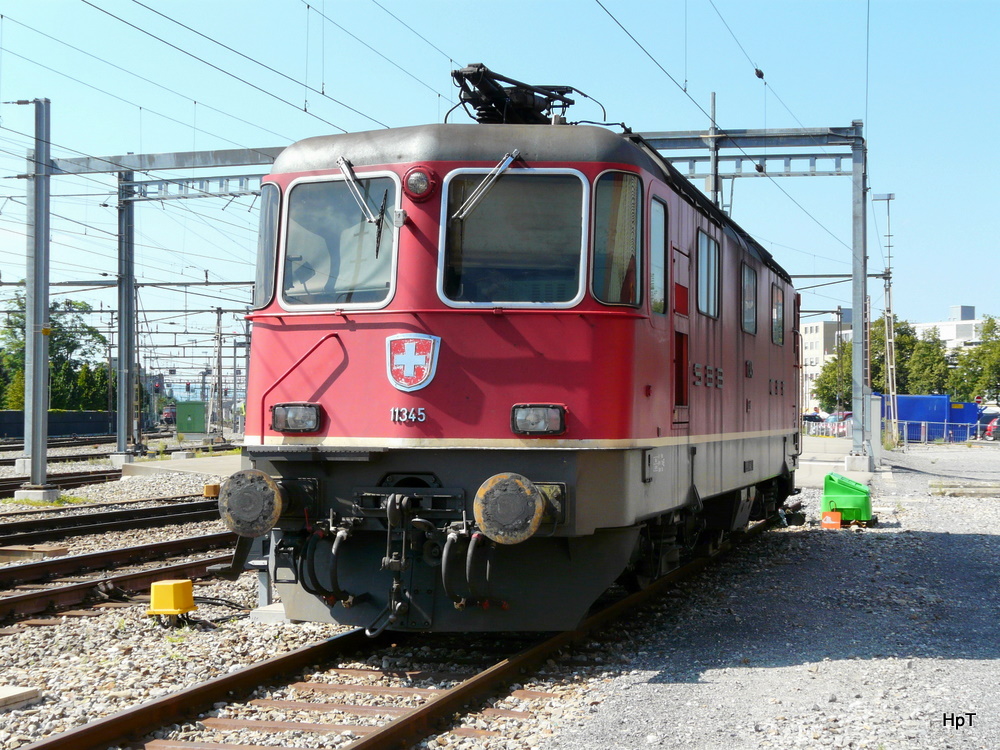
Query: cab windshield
{"points": [[521, 243], [332, 255]]}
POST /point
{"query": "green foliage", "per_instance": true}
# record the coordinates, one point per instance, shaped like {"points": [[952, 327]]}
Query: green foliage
{"points": [[923, 366], [61, 500], [977, 369], [906, 340], [13, 395], [833, 384], [927, 366], [75, 380]]}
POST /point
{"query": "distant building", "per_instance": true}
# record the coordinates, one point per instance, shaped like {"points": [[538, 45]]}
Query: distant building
{"points": [[960, 330], [820, 341]]}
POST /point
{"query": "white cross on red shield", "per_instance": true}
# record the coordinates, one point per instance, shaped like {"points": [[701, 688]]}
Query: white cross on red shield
{"points": [[411, 360]]}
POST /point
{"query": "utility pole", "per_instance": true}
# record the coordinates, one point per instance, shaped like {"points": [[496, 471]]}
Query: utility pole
{"points": [[36, 308], [891, 411], [126, 316], [715, 189], [218, 365], [861, 455], [129, 192]]}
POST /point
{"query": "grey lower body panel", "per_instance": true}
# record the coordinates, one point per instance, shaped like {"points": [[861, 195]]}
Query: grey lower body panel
{"points": [[545, 583], [540, 584]]}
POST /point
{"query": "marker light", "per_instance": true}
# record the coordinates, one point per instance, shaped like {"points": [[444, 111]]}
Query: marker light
{"points": [[538, 419], [419, 183], [295, 417]]}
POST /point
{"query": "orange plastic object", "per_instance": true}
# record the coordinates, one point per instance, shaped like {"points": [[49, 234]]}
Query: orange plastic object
{"points": [[831, 519]]}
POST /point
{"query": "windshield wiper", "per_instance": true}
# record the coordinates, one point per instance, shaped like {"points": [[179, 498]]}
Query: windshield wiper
{"points": [[484, 187], [378, 222], [355, 187]]}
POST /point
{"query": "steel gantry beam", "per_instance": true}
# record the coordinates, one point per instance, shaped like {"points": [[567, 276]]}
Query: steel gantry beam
{"points": [[130, 191], [850, 148]]}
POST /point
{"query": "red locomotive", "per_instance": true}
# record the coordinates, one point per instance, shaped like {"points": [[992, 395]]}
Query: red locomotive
{"points": [[496, 367]]}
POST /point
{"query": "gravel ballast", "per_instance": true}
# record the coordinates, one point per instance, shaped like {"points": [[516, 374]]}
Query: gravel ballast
{"points": [[879, 638], [882, 638]]}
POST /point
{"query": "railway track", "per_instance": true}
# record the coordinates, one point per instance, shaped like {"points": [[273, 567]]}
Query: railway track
{"points": [[61, 442], [65, 481], [38, 530], [407, 713], [67, 596], [76, 565], [103, 456], [9, 444], [69, 509]]}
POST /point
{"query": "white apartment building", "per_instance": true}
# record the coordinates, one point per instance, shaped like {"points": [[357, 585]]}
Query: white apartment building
{"points": [[960, 330], [819, 345]]}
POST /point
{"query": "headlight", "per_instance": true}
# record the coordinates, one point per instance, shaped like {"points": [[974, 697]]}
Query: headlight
{"points": [[295, 417], [538, 419], [419, 183]]}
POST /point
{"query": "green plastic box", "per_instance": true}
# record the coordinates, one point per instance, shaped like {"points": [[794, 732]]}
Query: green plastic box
{"points": [[851, 498], [191, 416]]}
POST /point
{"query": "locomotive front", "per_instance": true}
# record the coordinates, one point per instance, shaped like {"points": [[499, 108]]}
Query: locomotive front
{"points": [[441, 401]]}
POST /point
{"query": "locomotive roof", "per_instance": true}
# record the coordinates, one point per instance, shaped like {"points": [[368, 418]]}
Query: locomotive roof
{"points": [[488, 143], [462, 142]]}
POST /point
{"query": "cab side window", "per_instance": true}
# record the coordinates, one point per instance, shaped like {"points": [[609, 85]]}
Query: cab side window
{"points": [[749, 299], [658, 249], [777, 315], [708, 275], [616, 238]]}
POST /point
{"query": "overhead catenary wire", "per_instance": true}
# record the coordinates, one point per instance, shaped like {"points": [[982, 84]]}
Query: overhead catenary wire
{"points": [[125, 101], [722, 131], [370, 48], [216, 67], [256, 61], [151, 82]]}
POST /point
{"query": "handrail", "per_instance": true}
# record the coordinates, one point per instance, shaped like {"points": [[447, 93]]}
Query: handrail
{"points": [[299, 361]]}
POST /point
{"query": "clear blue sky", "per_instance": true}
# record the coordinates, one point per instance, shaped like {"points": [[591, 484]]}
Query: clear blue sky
{"points": [[919, 73]]}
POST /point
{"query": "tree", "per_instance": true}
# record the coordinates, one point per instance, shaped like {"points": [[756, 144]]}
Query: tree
{"points": [[832, 386], [62, 387], [92, 387], [13, 394], [927, 367], [905, 337], [72, 342], [977, 370]]}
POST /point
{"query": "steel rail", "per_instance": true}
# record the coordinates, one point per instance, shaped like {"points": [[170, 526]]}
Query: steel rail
{"points": [[173, 708], [75, 594], [63, 459], [43, 570], [105, 456], [402, 732], [62, 442], [175, 519], [35, 531], [409, 729], [63, 481], [89, 506]]}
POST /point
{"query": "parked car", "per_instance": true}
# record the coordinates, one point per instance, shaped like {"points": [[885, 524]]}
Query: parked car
{"points": [[837, 422], [811, 417], [992, 429], [983, 422]]}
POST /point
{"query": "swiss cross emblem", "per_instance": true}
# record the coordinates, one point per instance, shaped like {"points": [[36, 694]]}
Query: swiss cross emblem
{"points": [[411, 359]]}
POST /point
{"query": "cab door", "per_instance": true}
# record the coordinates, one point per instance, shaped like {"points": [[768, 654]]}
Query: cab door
{"points": [[680, 273]]}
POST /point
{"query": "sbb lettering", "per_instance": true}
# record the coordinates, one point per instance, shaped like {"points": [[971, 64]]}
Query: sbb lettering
{"points": [[706, 375]]}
